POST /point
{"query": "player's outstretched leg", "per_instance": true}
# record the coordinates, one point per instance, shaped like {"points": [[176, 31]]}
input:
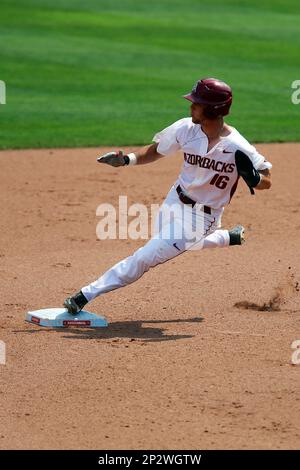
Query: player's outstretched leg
{"points": [[127, 271], [155, 252]]}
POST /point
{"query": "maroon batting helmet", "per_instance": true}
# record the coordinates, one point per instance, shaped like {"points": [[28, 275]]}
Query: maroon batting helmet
{"points": [[214, 93]]}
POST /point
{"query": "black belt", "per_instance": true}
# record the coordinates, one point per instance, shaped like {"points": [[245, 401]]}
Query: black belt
{"points": [[187, 200]]}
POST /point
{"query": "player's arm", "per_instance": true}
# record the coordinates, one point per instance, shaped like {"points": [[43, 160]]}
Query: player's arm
{"points": [[142, 156], [148, 154], [265, 182]]}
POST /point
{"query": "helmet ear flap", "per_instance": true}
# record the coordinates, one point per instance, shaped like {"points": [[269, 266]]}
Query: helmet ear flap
{"points": [[213, 112], [210, 113]]}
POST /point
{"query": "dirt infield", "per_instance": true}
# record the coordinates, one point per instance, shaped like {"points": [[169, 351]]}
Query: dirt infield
{"points": [[198, 352]]}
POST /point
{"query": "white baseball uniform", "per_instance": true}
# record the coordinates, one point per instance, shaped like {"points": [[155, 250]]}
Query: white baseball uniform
{"points": [[209, 178]]}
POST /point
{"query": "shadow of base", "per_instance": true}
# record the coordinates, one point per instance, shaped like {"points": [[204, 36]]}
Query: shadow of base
{"points": [[126, 329]]}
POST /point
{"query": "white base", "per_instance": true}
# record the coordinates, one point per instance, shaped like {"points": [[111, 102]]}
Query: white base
{"points": [[60, 318]]}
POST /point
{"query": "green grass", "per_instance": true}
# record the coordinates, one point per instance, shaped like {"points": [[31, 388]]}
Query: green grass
{"points": [[105, 72]]}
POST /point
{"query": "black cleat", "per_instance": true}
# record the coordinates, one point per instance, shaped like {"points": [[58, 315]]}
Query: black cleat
{"points": [[236, 235], [75, 303]]}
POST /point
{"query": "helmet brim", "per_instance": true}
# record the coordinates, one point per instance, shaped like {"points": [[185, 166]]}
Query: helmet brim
{"points": [[190, 97], [194, 99]]}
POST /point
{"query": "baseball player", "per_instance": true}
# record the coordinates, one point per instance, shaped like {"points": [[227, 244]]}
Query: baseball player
{"points": [[215, 156]]}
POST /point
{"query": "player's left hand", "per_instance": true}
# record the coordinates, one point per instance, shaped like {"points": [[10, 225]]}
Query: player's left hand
{"points": [[113, 158]]}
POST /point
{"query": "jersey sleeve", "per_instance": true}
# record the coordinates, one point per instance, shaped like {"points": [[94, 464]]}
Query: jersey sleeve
{"points": [[258, 160], [169, 139]]}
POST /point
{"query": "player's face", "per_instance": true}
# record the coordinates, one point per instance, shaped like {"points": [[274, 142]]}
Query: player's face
{"points": [[197, 113]]}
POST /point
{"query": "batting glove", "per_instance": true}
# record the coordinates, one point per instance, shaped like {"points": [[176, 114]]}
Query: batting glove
{"points": [[114, 159]]}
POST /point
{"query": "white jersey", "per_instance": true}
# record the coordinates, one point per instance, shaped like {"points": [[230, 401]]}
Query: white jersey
{"points": [[209, 178]]}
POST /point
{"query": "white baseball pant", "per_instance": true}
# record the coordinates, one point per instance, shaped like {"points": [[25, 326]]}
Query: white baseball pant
{"points": [[178, 228]]}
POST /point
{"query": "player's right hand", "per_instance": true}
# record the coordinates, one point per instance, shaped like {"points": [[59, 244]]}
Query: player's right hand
{"points": [[113, 158]]}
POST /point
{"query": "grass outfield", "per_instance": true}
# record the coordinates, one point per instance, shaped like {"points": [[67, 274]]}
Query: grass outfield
{"points": [[112, 72]]}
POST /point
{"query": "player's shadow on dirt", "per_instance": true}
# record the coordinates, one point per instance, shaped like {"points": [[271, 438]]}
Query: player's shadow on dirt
{"points": [[133, 330]]}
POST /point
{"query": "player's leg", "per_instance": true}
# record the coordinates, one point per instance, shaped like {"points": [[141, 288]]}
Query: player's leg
{"points": [[127, 271], [222, 238], [173, 239], [156, 251], [217, 239], [130, 269]]}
